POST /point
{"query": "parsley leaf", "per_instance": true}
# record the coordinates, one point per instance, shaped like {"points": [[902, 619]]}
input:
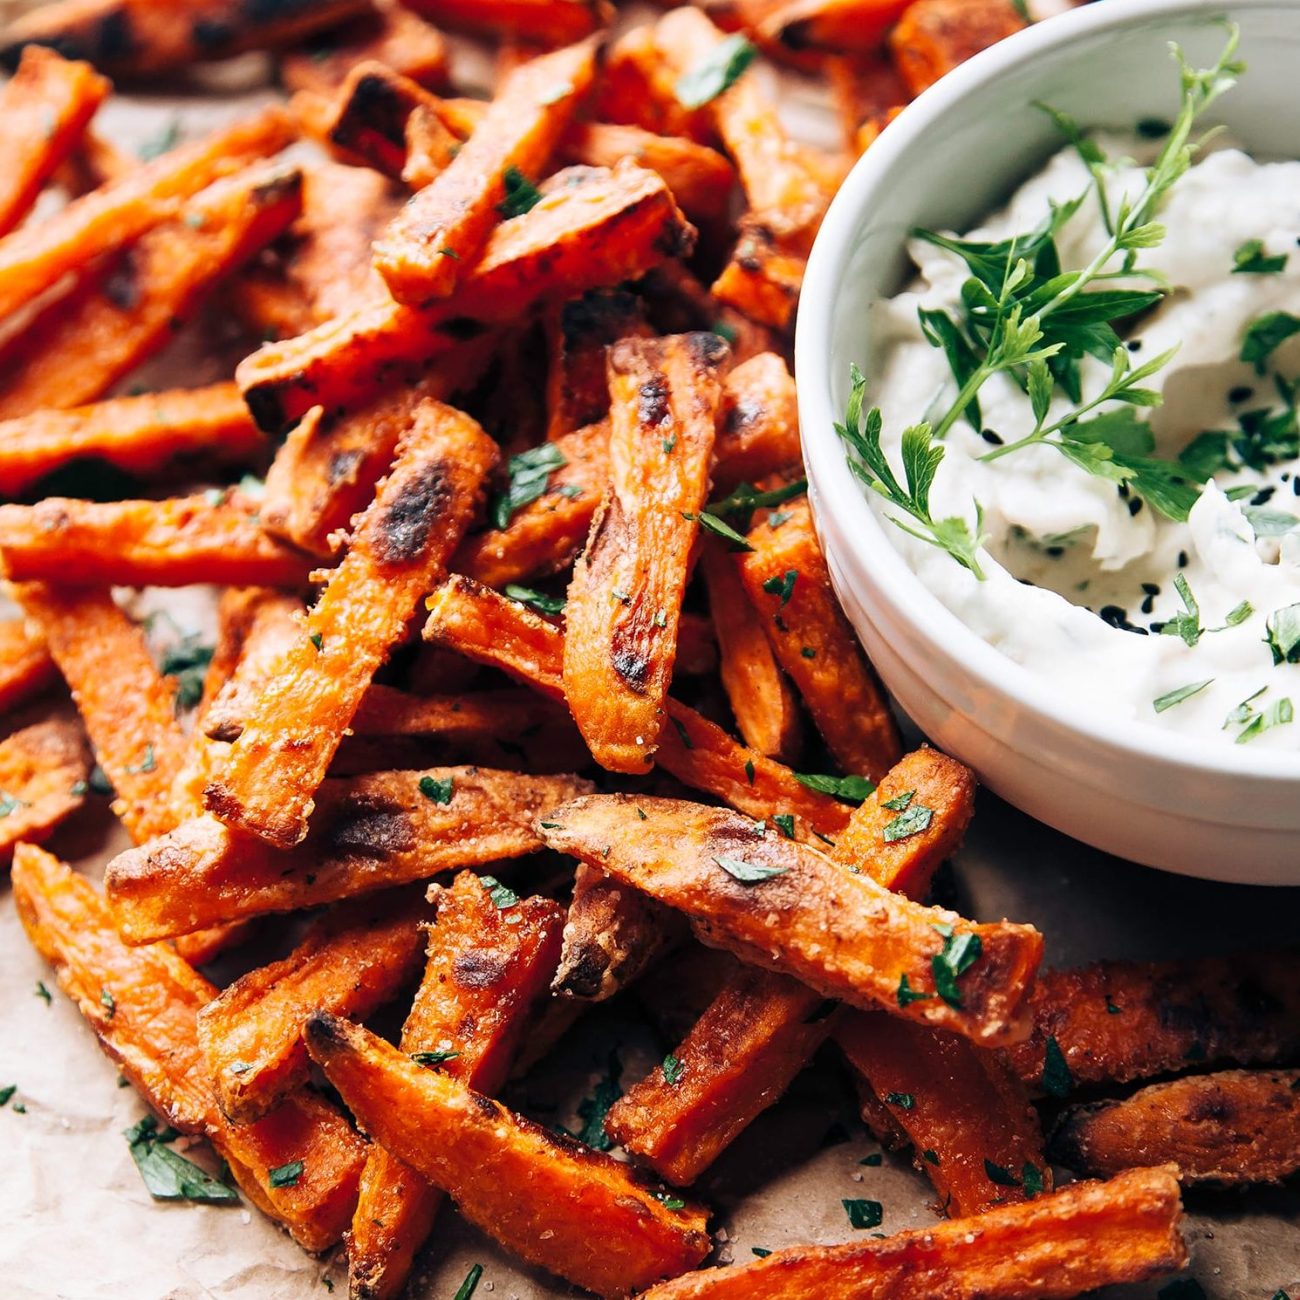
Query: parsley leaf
{"points": [[960, 952], [521, 194], [852, 789], [997, 1174], [187, 662], [912, 822], [1265, 335], [1057, 1080], [1283, 634], [433, 1058], [784, 822], [287, 1175], [466, 1289], [169, 1176], [437, 791], [782, 586], [592, 1110], [903, 1100], [1250, 259], [502, 895], [529, 472], [673, 1070], [907, 994], [749, 873], [720, 528], [864, 1214], [717, 71], [1179, 694], [537, 600]]}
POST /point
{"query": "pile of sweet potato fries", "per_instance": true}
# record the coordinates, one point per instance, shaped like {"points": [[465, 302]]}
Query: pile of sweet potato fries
{"points": [[529, 605]]}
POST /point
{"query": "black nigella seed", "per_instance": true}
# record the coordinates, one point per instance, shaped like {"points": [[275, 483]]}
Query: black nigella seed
{"points": [[1148, 604], [1242, 393], [1122, 490], [1295, 486], [1151, 588], [989, 435], [1117, 616], [1135, 505], [1056, 552], [1134, 345], [1263, 496], [1182, 559]]}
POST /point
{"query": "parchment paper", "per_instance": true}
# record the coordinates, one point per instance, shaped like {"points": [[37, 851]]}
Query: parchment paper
{"points": [[75, 1219]]}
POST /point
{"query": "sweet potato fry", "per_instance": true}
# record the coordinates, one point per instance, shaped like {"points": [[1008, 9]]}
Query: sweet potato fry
{"points": [[372, 832], [934, 36], [762, 701], [611, 935], [170, 543], [579, 333], [142, 435], [120, 314], [544, 22], [1083, 1237], [398, 552], [142, 1004], [1113, 1022], [592, 228], [389, 33], [493, 630], [1240, 1126], [638, 87], [25, 665], [779, 904], [44, 109], [448, 222], [127, 707], [768, 1024], [488, 965], [765, 274], [838, 26], [37, 257], [865, 88], [626, 594], [759, 432], [430, 147], [43, 771], [587, 1218], [788, 583], [351, 961], [969, 1119], [135, 37]]}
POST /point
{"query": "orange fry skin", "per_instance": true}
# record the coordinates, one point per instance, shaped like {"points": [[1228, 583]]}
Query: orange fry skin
{"points": [[1233, 1128], [398, 552], [544, 22], [148, 1028], [587, 1217], [351, 961], [37, 257], [170, 543], [446, 224], [841, 933], [143, 435], [83, 343], [838, 26], [26, 668], [127, 707], [1083, 1237], [935, 36], [759, 432], [487, 968], [44, 110], [815, 644], [626, 593], [43, 771], [591, 228], [1243, 1009], [375, 831]]}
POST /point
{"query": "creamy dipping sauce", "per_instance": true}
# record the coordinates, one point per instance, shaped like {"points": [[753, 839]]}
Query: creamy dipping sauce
{"points": [[1079, 572]]}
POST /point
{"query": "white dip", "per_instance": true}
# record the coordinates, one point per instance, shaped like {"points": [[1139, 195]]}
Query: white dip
{"points": [[1069, 554]]}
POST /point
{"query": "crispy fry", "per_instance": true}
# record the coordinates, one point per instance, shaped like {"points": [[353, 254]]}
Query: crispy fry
{"points": [[142, 435], [765, 274], [446, 224], [838, 26], [128, 308], [43, 771], [592, 228], [759, 431], [371, 832], [170, 543], [762, 700], [147, 1027], [397, 553], [865, 89], [430, 147], [934, 36], [37, 257], [842, 934], [127, 707], [546, 22], [389, 33], [133, 37], [44, 109], [1244, 1009], [586, 1217], [638, 87], [626, 594], [493, 630], [351, 961], [487, 966], [788, 583], [611, 935], [25, 665], [1083, 1237], [1240, 1126]]}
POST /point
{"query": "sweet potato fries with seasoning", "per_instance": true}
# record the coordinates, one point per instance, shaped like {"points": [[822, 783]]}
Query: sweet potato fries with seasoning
{"points": [[529, 688]]}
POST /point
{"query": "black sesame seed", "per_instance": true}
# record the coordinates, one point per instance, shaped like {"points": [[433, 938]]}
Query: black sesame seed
{"points": [[991, 436], [1182, 559], [1135, 505], [1242, 393]]}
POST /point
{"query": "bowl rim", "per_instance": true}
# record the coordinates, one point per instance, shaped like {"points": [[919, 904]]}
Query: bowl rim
{"points": [[838, 493]]}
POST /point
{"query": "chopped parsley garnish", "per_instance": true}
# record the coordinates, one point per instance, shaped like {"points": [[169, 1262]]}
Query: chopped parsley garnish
{"points": [[1186, 623], [1265, 335], [852, 789], [900, 802], [318, 641], [1278, 714], [1179, 694], [1031, 1179], [147, 764], [997, 1174], [286, 1175], [433, 1058], [784, 822], [874, 1159], [43, 993], [749, 873], [960, 953], [931, 1156], [169, 1176], [1282, 630], [724, 330], [9, 804], [913, 821], [668, 1200], [108, 1002], [907, 994], [467, 1287], [762, 1252], [502, 895], [720, 528], [592, 1110], [682, 734], [749, 770], [673, 1070], [537, 600], [521, 194], [744, 499], [717, 71], [1057, 1080], [903, 1100], [187, 662], [782, 586], [864, 1214], [529, 472], [437, 791], [7, 1092], [1250, 259]]}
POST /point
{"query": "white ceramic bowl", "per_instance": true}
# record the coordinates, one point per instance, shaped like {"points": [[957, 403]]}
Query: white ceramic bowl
{"points": [[1151, 796]]}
